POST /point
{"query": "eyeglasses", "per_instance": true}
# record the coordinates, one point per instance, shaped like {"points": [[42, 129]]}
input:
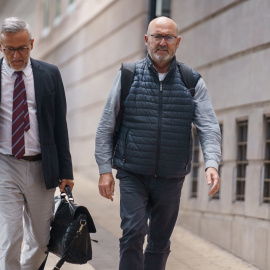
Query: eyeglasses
{"points": [[158, 38], [21, 50]]}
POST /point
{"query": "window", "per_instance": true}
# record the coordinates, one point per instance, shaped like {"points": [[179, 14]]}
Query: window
{"points": [[195, 164], [71, 6], [46, 13], [57, 13], [266, 182], [241, 164], [57, 8], [159, 8], [216, 196]]}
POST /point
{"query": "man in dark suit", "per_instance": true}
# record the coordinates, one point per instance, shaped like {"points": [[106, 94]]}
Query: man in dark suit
{"points": [[34, 148]]}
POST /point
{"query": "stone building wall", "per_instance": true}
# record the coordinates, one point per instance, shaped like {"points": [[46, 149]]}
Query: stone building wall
{"points": [[228, 42]]}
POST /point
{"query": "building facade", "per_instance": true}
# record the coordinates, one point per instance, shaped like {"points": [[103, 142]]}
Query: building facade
{"points": [[228, 42]]}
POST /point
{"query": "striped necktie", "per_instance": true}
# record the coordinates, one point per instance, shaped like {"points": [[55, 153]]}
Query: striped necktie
{"points": [[20, 116]]}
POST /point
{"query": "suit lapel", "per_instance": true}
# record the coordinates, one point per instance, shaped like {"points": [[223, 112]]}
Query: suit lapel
{"points": [[39, 83]]}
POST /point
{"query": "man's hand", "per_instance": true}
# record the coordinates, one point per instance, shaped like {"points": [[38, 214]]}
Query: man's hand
{"points": [[212, 177], [66, 182], [106, 185]]}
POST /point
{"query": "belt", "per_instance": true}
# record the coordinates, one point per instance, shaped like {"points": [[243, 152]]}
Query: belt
{"points": [[29, 158]]}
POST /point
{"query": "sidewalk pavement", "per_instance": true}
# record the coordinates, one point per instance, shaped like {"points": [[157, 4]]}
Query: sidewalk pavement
{"points": [[188, 251], [52, 261], [191, 253]]}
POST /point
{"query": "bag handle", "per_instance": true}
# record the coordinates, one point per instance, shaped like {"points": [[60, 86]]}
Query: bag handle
{"points": [[69, 193]]}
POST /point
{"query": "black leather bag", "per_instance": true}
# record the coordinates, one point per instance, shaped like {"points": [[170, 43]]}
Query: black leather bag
{"points": [[69, 236]]}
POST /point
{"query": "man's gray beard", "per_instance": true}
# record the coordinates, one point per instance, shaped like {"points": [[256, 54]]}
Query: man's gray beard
{"points": [[161, 59]]}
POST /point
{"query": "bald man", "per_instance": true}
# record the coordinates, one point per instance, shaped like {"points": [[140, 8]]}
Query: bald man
{"points": [[154, 149]]}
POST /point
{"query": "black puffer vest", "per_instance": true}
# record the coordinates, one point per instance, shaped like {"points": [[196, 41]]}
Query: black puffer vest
{"points": [[155, 137]]}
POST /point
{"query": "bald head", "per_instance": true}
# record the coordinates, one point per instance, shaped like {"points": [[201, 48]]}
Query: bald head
{"points": [[162, 41], [162, 22]]}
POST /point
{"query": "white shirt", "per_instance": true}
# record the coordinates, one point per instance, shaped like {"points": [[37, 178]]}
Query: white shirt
{"points": [[162, 76], [31, 137]]}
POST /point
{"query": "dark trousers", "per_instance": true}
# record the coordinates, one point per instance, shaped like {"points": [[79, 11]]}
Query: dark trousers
{"points": [[148, 205]]}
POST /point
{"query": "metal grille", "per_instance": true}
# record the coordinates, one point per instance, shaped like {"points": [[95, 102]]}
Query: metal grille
{"points": [[195, 164], [266, 182], [241, 164]]}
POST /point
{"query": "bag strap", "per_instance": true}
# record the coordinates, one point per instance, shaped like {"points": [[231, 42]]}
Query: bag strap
{"points": [[60, 263], [127, 77], [44, 262], [187, 77]]}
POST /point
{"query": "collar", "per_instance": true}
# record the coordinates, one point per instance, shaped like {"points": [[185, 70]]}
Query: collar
{"points": [[26, 71], [150, 64]]}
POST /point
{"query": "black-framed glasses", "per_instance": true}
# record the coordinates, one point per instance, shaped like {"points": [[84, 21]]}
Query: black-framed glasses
{"points": [[21, 50], [158, 38]]}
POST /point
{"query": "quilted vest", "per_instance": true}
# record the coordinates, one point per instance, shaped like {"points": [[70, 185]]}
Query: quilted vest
{"points": [[155, 137]]}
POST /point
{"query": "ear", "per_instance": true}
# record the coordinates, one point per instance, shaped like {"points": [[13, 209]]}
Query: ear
{"points": [[178, 41], [146, 40], [1, 47], [32, 44]]}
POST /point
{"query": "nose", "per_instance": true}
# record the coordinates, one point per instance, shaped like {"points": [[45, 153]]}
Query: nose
{"points": [[163, 42], [16, 54]]}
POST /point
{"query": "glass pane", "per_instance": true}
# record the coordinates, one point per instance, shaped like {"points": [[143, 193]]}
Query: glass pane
{"points": [[242, 131], [194, 188], [267, 151], [245, 153], [268, 129], [245, 133], [195, 172], [241, 170], [267, 171], [240, 190], [196, 156], [58, 8], [46, 13], [266, 192]]}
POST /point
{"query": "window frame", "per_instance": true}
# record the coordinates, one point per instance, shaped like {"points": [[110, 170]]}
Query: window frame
{"points": [[266, 162], [195, 164], [241, 160]]}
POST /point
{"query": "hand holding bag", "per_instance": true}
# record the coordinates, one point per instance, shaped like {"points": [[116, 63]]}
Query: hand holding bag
{"points": [[69, 236]]}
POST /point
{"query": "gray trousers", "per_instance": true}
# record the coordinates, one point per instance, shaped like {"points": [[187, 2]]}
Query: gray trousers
{"points": [[148, 206], [26, 211]]}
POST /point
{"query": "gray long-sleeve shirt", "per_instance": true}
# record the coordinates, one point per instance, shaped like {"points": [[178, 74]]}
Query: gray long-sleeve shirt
{"points": [[204, 120]]}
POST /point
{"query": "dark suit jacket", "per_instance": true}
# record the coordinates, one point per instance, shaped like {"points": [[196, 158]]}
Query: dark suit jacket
{"points": [[51, 116]]}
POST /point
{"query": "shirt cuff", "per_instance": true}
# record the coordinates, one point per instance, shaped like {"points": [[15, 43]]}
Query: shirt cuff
{"points": [[211, 163], [105, 168]]}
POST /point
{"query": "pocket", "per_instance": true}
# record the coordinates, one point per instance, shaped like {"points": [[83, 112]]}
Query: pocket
{"points": [[125, 146]]}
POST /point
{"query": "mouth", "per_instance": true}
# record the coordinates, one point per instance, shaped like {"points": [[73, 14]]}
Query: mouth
{"points": [[16, 61], [162, 50], [17, 64]]}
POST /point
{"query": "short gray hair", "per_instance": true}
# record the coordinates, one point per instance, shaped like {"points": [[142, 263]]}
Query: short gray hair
{"points": [[14, 25]]}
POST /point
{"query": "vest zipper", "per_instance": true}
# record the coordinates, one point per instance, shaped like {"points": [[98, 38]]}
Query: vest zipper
{"points": [[159, 127]]}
